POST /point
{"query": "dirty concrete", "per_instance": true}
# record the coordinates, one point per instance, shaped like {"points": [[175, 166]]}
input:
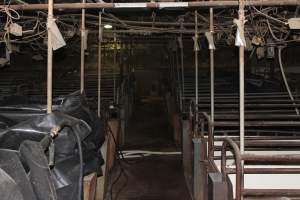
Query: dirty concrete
{"points": [[154, 177]]}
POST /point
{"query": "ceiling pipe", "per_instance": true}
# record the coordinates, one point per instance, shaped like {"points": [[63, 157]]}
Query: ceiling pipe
{"points": [[160, 5]]}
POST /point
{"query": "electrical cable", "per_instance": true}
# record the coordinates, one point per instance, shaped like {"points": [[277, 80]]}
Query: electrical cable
{"points": [[45, 142], [80, 152], [269, 17], [285, 79], [122, 170], [287, 34]]}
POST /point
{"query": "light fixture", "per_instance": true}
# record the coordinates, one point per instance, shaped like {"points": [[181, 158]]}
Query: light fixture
{"points": [[108, 26]]}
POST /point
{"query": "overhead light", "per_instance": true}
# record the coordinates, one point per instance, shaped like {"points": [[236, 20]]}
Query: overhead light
{"points": [[108, 26]]}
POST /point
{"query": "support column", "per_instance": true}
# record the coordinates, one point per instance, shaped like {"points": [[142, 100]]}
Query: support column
{"points": [[114, 67], [242, 87], [196, 49], [82, 50], [212, 81], [212, 71], [99, 63], [242, 77], [182, 70], [49, 59]]}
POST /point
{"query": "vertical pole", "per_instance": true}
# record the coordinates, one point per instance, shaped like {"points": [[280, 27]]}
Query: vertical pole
{"points": [[242, 88], [196, 66], [83, 35], [182, 68], [177, 67], [241, 73], [49, 61], [115, 63], [212, 79], [178, 85], [99, 62]]}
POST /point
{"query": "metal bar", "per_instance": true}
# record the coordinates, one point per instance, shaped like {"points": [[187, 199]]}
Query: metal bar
{"points": [[250, 105], [114, 67], [196, 65], [159, 5], [272, 192], [289, 143], [258, 116], [242, 77], [266, 100], [242, 90], [259, 123], [49, 59], [182, 69], [178, 82], [271, 158], [99, 63], [212, 72], [238, 162], [82, 49], [211, 138], [265, 170]]}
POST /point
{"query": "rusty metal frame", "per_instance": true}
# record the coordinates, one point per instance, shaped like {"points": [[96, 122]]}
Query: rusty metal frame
{"points": [[239, 170]]}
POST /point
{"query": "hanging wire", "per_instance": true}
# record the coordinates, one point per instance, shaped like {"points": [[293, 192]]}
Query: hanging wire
{"points": [[285, 79]]}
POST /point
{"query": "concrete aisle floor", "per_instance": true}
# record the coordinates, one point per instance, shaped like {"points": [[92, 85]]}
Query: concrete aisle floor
{"points": [[154, 177]]}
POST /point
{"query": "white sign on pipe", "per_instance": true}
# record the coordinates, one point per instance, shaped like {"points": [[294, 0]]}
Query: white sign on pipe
{"points": [[57, 38], [173, 4], [130, 5]]}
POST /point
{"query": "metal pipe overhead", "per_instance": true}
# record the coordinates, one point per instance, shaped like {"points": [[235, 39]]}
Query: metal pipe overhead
{"points": [[159, 5], [49, 59]]}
